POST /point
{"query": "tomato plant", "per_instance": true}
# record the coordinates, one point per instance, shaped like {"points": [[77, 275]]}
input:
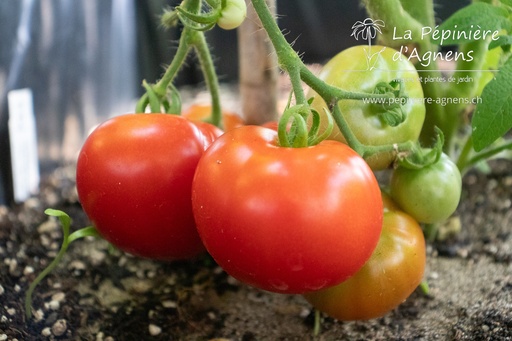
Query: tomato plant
{"points": [[305, 220], [134, 179], [392, 273], [361, 68], [286, 220], [430, 194]]}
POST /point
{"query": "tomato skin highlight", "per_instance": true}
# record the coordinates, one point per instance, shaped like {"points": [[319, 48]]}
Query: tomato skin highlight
{"points": [[393, 272], [134, 178], [276, 218]]}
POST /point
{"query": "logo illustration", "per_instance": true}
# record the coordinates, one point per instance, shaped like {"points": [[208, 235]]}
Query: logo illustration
{"points": [[367, 29]]}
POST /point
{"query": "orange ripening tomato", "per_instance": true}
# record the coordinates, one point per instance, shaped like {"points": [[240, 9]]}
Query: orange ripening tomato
{"points": [[392, 273], [199, 112]]}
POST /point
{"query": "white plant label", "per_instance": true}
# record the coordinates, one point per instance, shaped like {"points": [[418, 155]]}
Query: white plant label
{"points": [[23, 141]]}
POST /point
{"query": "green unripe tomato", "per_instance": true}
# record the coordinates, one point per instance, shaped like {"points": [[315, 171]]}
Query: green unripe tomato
{"points": [[233, 14], [430, 194], [359, 69]]}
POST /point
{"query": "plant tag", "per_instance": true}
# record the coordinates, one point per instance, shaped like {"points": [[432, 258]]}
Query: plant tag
{"points": [[23, 141]]}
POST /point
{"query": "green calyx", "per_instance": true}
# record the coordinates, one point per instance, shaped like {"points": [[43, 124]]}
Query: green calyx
{"points": [[293, 128], [391, 110], [190, 15], [198, 22], [419, 157], [166, 101]]}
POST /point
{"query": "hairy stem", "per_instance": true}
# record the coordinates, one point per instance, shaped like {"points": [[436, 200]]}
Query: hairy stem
{"points": [[212, 83]]}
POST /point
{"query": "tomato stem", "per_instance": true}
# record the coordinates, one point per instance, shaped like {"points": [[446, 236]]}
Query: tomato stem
{"points": [[424, 287], [296, 81], [431, 232], [467, 159], [210, 76], [177, 62], [191, 38], [318, 323]]}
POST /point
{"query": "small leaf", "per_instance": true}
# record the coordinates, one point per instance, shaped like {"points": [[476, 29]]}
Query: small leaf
{"points": [[462, 26], [65, 220], [88, 231], [493, 115], [503, 41]]}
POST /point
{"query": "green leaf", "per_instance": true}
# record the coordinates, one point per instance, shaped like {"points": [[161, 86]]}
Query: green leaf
{"points": [[65, 220], [88, 231], [506, 2], [503, 41], [493, 115], [470, 23]]}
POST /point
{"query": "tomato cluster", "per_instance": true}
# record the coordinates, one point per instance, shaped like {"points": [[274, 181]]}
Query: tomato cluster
{"points": [[309, 220]]}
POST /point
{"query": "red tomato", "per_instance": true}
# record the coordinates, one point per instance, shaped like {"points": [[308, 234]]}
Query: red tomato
{"points": [[288, 220], [393, 272], [134, 179]]}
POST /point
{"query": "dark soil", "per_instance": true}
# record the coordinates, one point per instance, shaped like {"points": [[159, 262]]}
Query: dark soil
{"points": [[100, 294]]}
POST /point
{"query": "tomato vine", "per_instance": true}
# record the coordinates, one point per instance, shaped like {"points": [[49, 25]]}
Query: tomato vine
{"points": [[191, 39], [300, 127]]}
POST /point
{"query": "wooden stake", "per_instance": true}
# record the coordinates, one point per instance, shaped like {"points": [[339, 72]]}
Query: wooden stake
{"points": [[258, 69]]}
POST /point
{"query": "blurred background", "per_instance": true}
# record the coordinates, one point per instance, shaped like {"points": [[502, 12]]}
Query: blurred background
{"points": [[84, 60]]}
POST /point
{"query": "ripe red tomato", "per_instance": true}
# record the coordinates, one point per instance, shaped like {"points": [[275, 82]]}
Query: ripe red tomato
{"points": [[393, 272], [134, 179], [286, 220]]}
